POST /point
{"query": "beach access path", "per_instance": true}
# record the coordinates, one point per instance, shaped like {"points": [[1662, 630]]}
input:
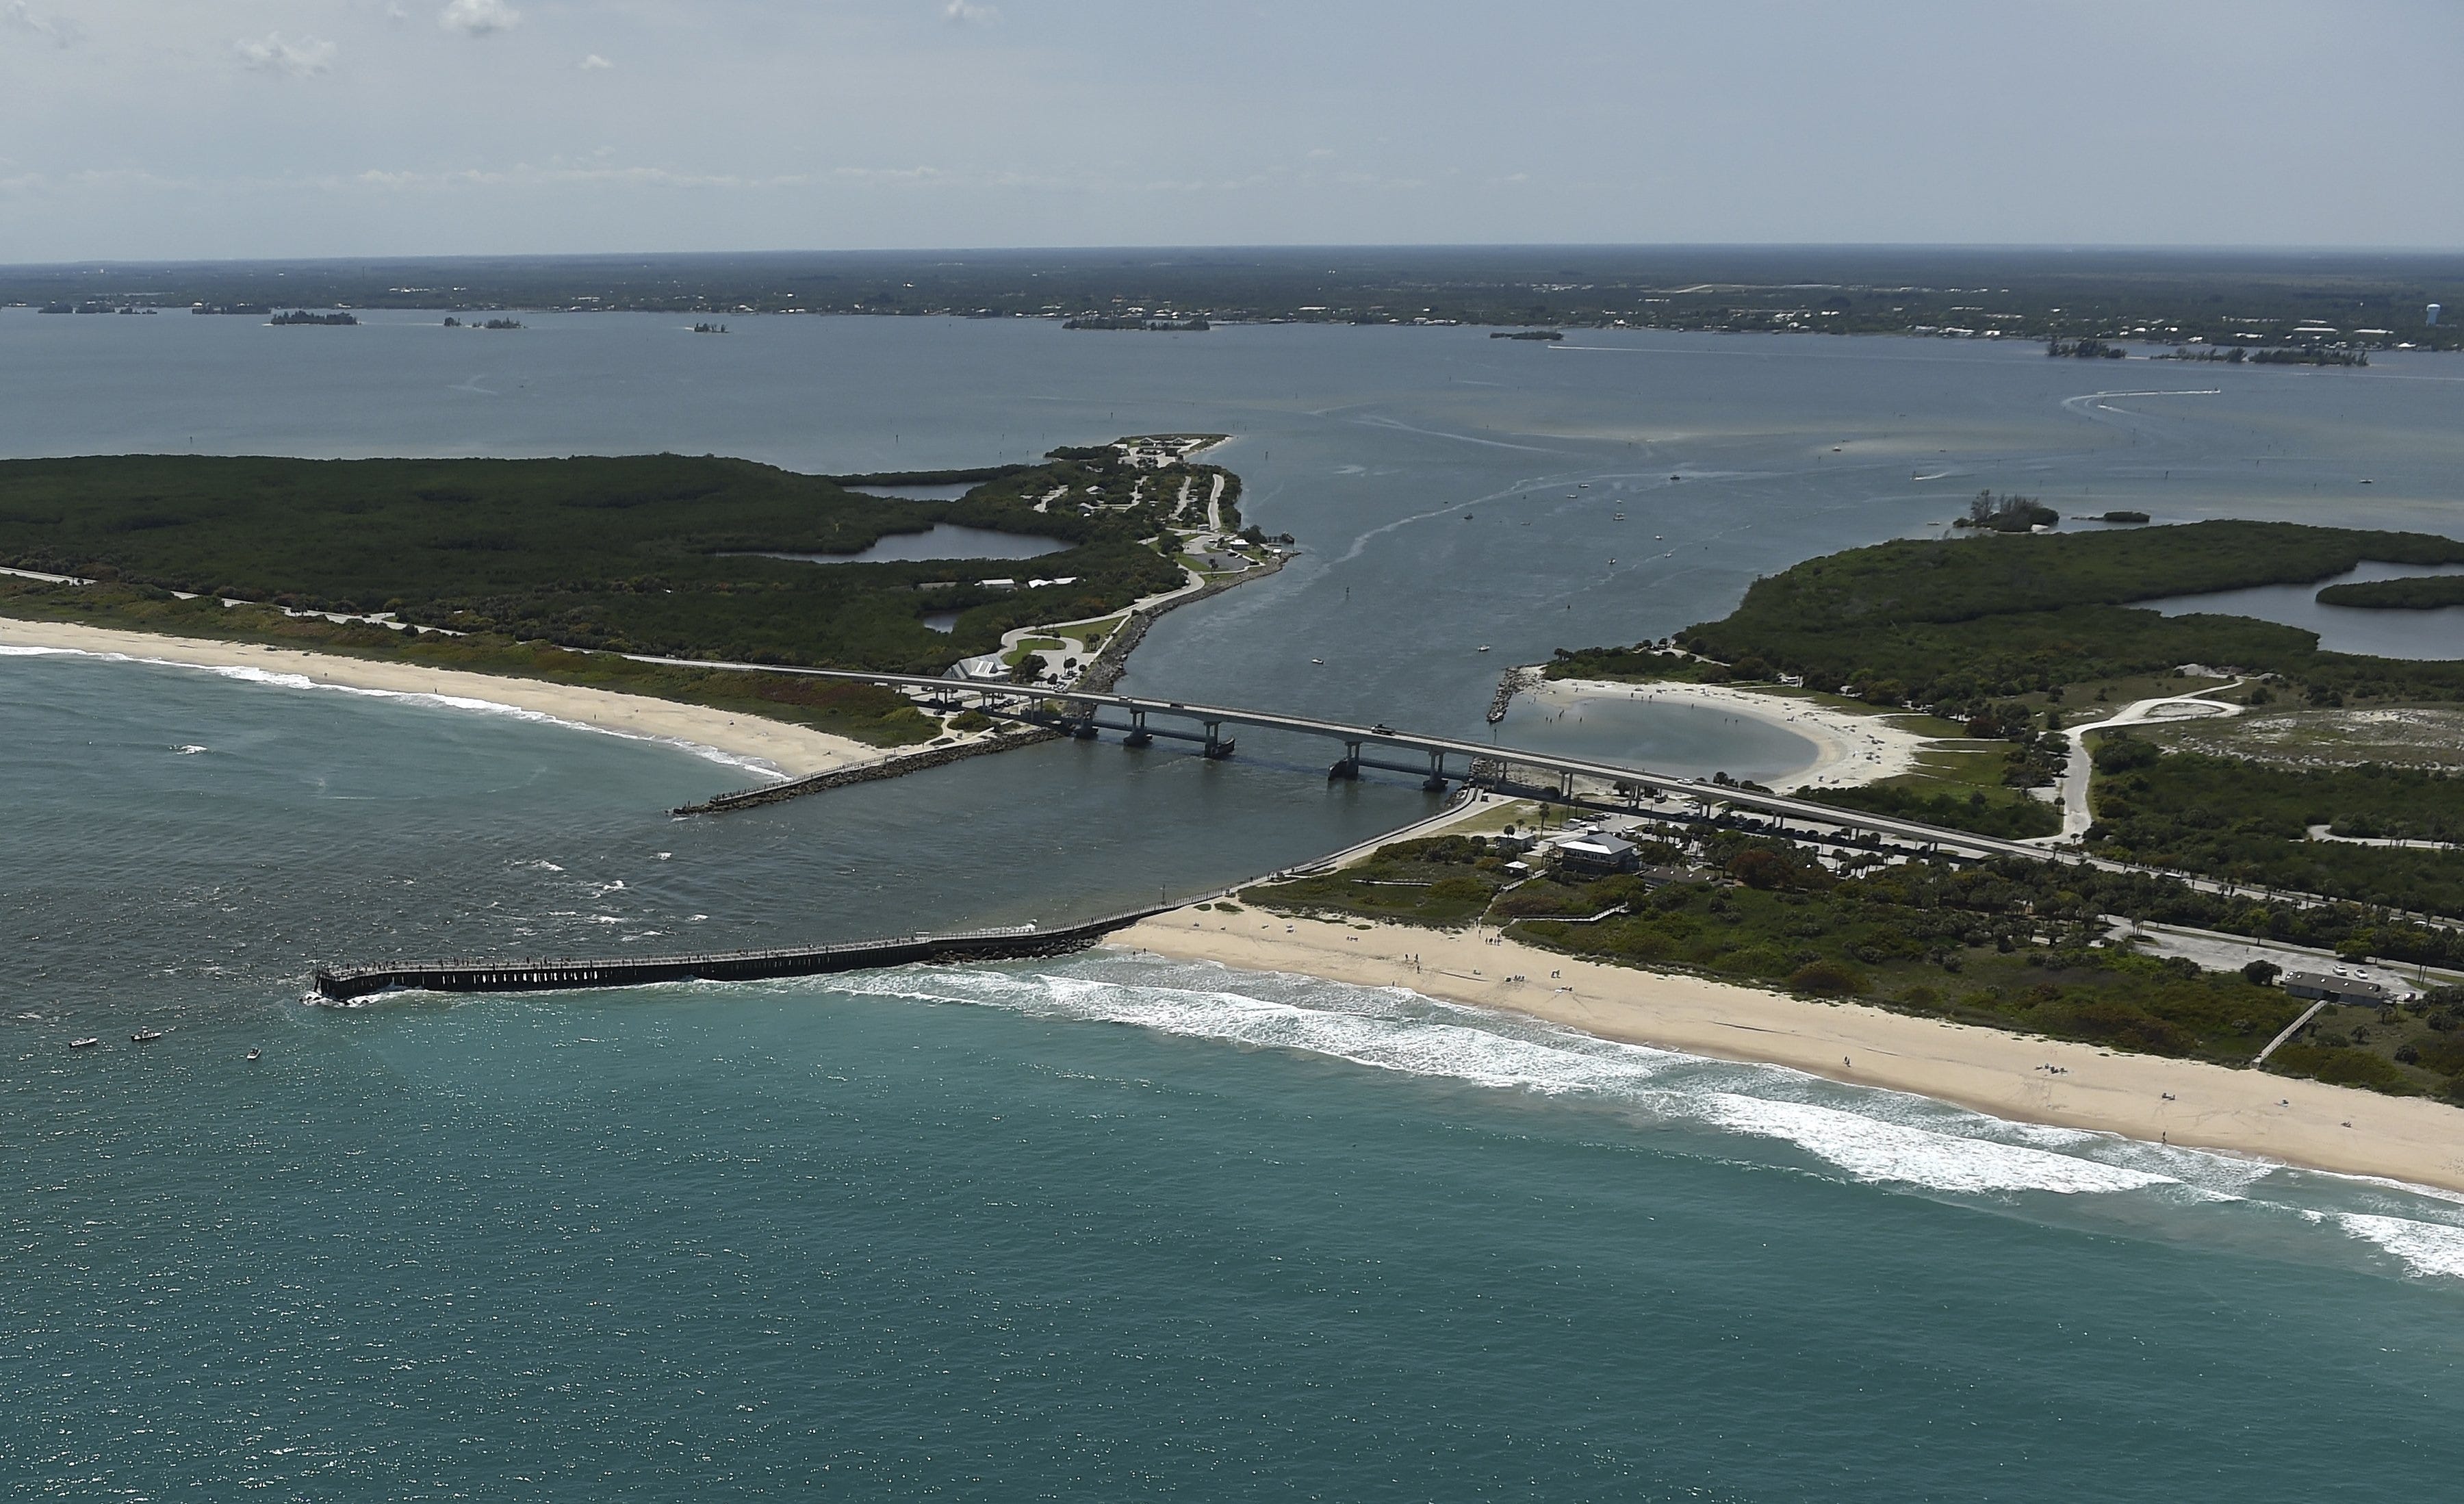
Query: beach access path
{"points": [[2186, 1102], [776, 746]]}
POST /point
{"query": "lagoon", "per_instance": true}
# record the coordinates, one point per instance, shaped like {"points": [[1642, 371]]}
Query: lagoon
{"points": [[2341, 628]]}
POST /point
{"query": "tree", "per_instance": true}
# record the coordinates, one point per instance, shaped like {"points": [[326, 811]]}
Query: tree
{"points": [[2262, 973]]}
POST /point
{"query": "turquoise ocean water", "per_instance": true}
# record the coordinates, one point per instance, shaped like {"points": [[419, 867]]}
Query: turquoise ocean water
{"points": [[1108, 1226]]}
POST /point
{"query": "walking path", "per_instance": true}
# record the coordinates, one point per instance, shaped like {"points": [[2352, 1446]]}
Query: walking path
{"points": [[2076, 817]]}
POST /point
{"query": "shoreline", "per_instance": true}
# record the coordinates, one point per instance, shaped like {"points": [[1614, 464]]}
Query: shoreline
{"points": [[1849, 748], [779, 748], [2242, 1113]]}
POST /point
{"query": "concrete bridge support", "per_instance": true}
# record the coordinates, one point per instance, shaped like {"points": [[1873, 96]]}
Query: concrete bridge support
{"points": [[1137, 736], [1217, 747], [1348, 766]]}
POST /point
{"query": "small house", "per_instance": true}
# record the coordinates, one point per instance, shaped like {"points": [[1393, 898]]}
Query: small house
{"points": [[2338, 988], [1598, 853]]}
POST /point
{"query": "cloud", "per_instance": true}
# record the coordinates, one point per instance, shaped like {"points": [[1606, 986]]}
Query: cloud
{"points": [[966, 12], [304, 58], [58, 31], [594, 62], [478, 17]]}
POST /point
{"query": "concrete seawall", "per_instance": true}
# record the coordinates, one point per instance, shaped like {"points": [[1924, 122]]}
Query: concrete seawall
{"points": [[346, 984], [862, 773]]}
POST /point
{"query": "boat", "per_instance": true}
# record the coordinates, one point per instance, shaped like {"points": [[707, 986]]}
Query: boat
{"points": [[144, 1036], [254, 1051], [1320, 662], [87, 1043], [1620, 517], [1484, 647]]}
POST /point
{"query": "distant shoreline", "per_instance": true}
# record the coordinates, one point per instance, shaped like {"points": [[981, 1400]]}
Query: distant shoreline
{"points": [[775, 747]]}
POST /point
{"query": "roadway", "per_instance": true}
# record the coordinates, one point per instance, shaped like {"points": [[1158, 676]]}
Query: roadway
{"points": [[1437, 749]]}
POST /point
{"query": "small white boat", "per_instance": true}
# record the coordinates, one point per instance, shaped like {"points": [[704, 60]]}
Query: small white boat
{"points": [[144, 1036], [254, 1052], [87, 1043], [1620, 517], [1484, 647], [1320, 662]]}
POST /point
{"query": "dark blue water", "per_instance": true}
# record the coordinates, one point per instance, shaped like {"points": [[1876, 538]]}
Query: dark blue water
{"points": [[1109, 1228], [2343, 628]]}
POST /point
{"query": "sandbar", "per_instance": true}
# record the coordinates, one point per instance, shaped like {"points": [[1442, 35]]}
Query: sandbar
{"points": [[774, 746], [2148, 1097]]}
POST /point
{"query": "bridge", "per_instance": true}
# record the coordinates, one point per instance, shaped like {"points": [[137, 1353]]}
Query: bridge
{"points": [[1140, 720]]}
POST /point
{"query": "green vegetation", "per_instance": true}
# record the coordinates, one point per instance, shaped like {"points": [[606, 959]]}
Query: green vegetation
{"points": [[1997, 633], [2009, 818], [863, 711], [1951, 625], [2007, 514], [2011, 944], [2248, 821], [654, 554], [2421, 592]]}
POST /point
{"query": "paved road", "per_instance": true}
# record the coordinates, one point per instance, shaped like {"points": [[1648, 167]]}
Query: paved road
{"points": [[2193, 706], [1216, 717]]}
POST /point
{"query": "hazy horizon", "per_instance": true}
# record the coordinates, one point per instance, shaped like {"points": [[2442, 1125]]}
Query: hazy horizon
{"points": [[143, 130]]}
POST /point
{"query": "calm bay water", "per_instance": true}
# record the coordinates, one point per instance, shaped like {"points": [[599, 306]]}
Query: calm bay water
{"points": [[1109, 1227]]}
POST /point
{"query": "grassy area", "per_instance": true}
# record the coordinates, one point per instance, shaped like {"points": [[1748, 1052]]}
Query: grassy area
{"points": [[863, 711], [2296, 736], [2249, 821], [2006, 634], [650, 553], [2011, 944], [2008, 814]]}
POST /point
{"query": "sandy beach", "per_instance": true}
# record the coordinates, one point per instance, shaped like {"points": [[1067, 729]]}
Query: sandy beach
{"points": [[2139, 1096], [771, 745], [1852, 748]]}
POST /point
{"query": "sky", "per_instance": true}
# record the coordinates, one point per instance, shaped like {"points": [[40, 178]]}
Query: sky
{"points": [[174, 129]]}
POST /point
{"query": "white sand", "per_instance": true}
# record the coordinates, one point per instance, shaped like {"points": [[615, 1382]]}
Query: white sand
{"points": [[2212, 1107], [1852, 748], [772, 745]]}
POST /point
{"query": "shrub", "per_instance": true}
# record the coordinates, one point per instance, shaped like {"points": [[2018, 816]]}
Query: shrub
{"points": [[2119, 754], [1826, 979], [2343, 1068]]}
